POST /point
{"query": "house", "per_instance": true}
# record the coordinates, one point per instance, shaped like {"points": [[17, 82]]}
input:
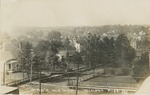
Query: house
{"points": [[8, 59], [9, 55], [133, 43], [64, 53]]}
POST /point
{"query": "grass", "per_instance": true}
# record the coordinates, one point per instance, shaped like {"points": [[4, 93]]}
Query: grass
{"points": [[117, 81]]}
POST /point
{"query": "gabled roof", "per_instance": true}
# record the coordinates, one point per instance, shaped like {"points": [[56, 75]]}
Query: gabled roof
{"points": [[12, 48], [6, 56], [8, 52]]}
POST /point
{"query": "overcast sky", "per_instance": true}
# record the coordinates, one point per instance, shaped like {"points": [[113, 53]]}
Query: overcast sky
{"points": [[74, 12]]}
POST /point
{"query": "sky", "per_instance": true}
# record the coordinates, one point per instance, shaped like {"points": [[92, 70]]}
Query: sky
{"points": [[47, 13]]}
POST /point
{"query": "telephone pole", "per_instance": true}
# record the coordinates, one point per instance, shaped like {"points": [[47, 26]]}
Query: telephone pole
{"points": [[4, 75], [149, 57], [40, 81], [77, 79], [31, 62]]}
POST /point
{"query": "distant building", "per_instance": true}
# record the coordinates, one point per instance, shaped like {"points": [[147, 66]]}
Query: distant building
{"points": [[77, 44], [133, 43], [64, 53]]}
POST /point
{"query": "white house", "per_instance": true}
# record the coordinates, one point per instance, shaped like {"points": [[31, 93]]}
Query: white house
{"points": [[133, 43], [8, 56], [7, 64], [77, 45]]}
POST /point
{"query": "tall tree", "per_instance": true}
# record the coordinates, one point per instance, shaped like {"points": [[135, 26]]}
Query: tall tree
{"points": [[25, 57], [92, 51], [47, 51], [109, 56], [125, 53]]}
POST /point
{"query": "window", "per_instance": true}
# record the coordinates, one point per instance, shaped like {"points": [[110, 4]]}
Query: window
{"points": [[9, 66]]}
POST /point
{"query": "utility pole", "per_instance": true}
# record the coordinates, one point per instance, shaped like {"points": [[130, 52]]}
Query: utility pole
{"points": [[68, 75], [149, 57], [67, 66], [77, 79], [40, 81], [4, 75], [31, 72], [31, 62], [78, 61]]}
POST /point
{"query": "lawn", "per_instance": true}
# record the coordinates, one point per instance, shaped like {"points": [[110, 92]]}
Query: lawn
{"points": [[117, 81]]}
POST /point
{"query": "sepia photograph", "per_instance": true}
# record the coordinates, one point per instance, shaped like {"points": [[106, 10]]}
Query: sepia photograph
{"points": [[74, 47]]}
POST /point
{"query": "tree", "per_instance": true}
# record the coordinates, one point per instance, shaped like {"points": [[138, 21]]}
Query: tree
{"points": [[42, 48], [67, 44], [109, 55], [55, 45], [141, 68], [47, 50], [54, 35], [92, 50], [144, 61], [25, 57], [125, 53], [36, 63]]}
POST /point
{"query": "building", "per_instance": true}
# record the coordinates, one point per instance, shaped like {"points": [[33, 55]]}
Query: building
{"points": [[133, 43], [8, 58], [9, 55]]}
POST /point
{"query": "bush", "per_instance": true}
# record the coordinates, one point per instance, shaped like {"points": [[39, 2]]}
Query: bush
{"points": [[125, 71], [118, 71], [109, 71], [139, 73]]}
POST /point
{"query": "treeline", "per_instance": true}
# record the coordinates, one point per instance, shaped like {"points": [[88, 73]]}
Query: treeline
{"points": [[42, 55], [72, 30], [96, 51], [108, 52]]}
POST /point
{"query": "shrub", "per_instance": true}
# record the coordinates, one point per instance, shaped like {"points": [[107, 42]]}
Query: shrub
{"points": [[125, 71], [112, 72], [140, 73]]}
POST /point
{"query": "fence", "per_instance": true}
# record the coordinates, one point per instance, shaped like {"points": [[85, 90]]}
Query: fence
{"points": [[18, 82]]}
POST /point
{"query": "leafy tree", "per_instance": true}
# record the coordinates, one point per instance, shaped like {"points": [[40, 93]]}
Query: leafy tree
{"points": [[77, 58], [109, 52], [47, 51], [67, 44], [25, 57], [144, 61], [54, 35], [125, 53], [36, 63], [55, 46], [141, 68], [92, 51]]}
